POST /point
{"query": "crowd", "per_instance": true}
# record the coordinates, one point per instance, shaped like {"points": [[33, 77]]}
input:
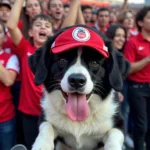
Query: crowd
{"points": [[25, 26]]}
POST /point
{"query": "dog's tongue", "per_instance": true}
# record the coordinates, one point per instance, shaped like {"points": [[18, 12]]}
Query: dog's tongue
{"points": [[77, 107]]}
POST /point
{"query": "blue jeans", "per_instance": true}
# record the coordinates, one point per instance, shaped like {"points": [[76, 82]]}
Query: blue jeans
{"points": [[7, 134], [125, 105]]}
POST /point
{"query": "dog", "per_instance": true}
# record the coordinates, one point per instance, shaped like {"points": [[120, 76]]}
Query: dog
{"points": [[81, 71]]}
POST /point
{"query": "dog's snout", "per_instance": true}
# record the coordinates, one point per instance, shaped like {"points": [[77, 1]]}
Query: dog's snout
{"points": [[77, 80]]}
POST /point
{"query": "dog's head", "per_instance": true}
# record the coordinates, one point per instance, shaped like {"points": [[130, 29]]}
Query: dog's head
{"points": [[79, 63]]}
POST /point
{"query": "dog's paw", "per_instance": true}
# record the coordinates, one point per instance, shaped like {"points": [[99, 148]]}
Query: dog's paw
{"points": [[43, 145], [112, 147]]}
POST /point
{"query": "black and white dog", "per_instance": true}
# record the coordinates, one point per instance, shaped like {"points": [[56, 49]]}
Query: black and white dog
{"points": [[80, 72]]}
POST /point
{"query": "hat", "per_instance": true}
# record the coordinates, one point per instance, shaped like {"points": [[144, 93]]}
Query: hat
{"points": [[78, 36], [5, 4]]}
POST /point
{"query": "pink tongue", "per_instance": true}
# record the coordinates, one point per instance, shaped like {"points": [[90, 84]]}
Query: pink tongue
{"points": [[77, 107]]}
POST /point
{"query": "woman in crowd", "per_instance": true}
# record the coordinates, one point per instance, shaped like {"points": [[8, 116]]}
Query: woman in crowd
{"points": [[126, 18], [31, 9], [118, 34], [9, 69], [30, 95]]}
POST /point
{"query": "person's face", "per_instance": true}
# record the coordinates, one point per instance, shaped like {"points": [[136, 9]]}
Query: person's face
{"points": [[4, 13], [33, 8], [2, 36], [94, 17], [103, 18], [128, 20], [56, 9], [12, 2], [119, 39], [40, 30], [45, 5], [66, 10], [113, 18], [145, 24], [87, 14]]}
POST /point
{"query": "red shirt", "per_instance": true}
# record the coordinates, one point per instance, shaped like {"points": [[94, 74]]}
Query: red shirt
{"points": [[8, 44], [7, 111], [9, 47], [135, 50], [30, 94], [20, 25], [102, 30]]}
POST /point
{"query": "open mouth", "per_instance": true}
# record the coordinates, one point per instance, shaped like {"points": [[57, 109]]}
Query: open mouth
{"points": [[58, 13], [34, 13], [65, 95], [76, 105], [42, 35]]}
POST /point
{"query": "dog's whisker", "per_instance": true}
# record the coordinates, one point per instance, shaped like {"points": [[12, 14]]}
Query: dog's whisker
{"points": [[54, 81], [53, 78], [50, 82], [100, 86], [98, 91]]}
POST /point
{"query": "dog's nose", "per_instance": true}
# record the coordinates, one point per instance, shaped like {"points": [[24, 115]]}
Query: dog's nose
{"points": [[77, 80]]}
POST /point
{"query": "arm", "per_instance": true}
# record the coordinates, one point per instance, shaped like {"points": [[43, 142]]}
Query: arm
{"points": [[136, 66], [7, 77], [130, 54], [80, 19], [72, 14], [9, 74], [12, 23], [124, 6]]}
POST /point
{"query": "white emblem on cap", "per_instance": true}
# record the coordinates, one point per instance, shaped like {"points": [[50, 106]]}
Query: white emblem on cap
{"points": [[105, 48], [81, 34]]}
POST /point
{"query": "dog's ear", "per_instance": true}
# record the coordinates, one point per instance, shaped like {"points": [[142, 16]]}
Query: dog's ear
{"points": [[118, 67], [39, 63]]}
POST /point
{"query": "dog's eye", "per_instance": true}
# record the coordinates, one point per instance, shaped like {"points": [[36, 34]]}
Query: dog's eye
{"points": [[93, 64], [62, 62]]}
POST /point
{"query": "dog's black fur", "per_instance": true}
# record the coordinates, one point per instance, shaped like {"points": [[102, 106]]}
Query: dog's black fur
{"points": [[50, 68]]}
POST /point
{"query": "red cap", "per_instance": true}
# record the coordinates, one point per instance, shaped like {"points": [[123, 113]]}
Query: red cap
{"points": [[77, 37]]}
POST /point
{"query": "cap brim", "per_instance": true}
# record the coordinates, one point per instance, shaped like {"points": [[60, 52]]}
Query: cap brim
{"points": [[66, 47], [6, 5]]}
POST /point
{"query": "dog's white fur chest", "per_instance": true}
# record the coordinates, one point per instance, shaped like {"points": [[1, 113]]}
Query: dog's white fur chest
{"points": [[85, 134]]}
